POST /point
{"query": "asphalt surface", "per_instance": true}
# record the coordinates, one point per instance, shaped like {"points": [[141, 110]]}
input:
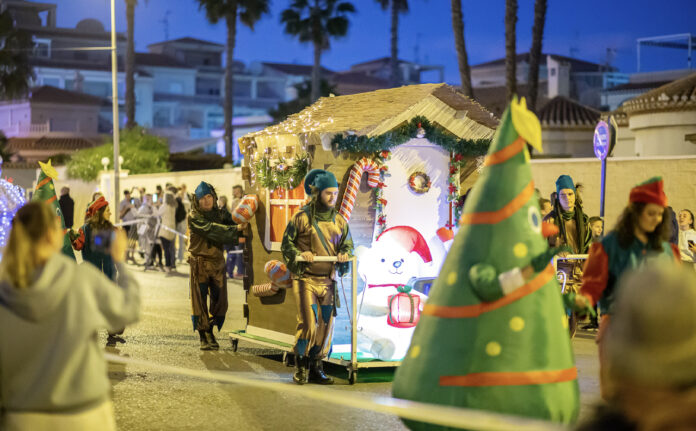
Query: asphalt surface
{"points": [[145, 399]]}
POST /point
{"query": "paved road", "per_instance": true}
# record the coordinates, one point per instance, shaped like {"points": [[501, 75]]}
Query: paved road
{"points": [[149, 400]]}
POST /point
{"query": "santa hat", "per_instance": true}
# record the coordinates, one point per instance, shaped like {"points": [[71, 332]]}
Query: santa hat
{"points": [[649, 192], [409, 239], [96, 206]]}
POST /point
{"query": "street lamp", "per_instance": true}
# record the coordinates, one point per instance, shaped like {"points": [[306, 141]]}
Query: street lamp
{"points": [[114, 107]]}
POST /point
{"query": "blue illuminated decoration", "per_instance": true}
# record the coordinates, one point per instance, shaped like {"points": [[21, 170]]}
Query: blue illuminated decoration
{"points": [[11, 199]]}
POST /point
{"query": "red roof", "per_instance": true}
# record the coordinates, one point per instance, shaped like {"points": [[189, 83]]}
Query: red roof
{"points": [[47, 143]]}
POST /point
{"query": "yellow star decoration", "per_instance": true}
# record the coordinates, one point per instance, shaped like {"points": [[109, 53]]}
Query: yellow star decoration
{"points": [[49, 170], [526, 123]]}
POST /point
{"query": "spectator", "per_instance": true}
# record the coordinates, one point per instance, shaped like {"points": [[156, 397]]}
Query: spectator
{"points": [[552, 198], [97, 222], [67, 207], [180, 219], [674, 225], [545, 206], [53, 372], [597, 228], [222, 204], [687, 236], [235, 261], [146, 232], [640, 234], [167, 213], [126, 210], [651, 352], [158, 197]]}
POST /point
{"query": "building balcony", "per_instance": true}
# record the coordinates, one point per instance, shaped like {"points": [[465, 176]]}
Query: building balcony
{"points": [[53, 128]]}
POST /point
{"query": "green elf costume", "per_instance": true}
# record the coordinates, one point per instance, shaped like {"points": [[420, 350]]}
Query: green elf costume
{"points": [[318, 229], [493, 334], [46, 191], [615, 254], [210, 231]]}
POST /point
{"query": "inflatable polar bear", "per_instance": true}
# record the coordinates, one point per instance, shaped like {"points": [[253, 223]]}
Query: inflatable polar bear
{"points": [[397, 256]]}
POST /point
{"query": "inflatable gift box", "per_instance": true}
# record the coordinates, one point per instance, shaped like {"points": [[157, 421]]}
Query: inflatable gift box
{"points": [[404, 308], [246, 209]]}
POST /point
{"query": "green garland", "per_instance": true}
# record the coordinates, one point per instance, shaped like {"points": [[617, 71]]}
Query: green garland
{"points": [[282, 174], [405, 132]]}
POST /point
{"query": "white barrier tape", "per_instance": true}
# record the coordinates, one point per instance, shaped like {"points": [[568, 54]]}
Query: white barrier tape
{"points": [[448, 416]]}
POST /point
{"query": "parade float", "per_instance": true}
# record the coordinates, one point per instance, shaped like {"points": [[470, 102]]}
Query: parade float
{"points": [[404, 158]]}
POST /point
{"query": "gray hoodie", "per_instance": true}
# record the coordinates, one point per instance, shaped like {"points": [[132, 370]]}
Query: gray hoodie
{"points": [[49, 357]]}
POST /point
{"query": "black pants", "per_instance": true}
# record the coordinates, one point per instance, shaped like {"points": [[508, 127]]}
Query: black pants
{"points": [[168, 247]]}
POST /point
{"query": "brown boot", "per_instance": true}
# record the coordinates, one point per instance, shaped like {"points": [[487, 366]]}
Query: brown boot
{"points": [[205, 345]]}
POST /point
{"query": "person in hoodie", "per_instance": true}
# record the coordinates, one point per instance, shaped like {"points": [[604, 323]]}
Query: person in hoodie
{"points": [[211, 229], [53, 375]]}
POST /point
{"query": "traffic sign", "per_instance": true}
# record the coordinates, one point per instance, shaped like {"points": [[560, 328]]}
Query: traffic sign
{"points": [[601, 140]]}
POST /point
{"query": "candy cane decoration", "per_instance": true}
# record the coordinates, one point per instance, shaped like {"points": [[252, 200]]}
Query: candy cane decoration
{"points": [[353, 185]]}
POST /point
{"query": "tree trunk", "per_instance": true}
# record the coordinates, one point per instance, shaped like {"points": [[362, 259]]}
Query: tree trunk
{"points": [[510, 51], [394, 58], [535, 52], [228, 104], [316, 73], [458, 27], [130, 65]]}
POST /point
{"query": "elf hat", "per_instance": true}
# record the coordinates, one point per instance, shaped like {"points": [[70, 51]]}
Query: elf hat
{"points": [[409, 239], [652, 335], [203, 189], [320, 180], [564, 182], [649, 192], [96, 206]]}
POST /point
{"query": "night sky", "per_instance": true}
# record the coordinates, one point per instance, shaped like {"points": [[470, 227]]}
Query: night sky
{"points": [[582, 29]]}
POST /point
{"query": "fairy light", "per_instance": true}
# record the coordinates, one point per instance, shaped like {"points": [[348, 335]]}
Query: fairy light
{"points": [[11, 199]]}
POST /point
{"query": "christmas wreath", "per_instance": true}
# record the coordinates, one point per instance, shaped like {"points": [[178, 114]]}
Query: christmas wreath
{"points": [[281, 173], [419, 182]]}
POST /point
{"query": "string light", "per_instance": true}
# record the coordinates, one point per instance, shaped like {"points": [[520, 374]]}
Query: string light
{"points": [[11, 199]]}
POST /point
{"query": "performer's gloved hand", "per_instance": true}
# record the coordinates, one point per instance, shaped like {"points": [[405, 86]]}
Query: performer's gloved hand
{"points": [[542, 260], [578, 304], [72, 235], [485, 282]]}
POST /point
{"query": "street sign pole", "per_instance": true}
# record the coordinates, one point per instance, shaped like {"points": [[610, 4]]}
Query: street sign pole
{"points": [[602, 147]]}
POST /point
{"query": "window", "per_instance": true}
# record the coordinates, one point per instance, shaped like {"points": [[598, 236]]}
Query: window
{"points": [[282, 204], [176, 88], [42, 48]]}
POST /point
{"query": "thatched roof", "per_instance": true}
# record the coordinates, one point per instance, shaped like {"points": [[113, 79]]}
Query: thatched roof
{"points": [[380, 111]]}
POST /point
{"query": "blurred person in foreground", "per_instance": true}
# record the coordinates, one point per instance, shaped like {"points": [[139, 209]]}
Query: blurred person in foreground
{"points": [[53, 375], [211, 229], [640, 236], [651, 350]]}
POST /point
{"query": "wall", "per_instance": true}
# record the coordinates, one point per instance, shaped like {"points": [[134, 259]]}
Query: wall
{"points": [[76, 119], [622, 174], [165, 77], [573, 142], [662, 133]]}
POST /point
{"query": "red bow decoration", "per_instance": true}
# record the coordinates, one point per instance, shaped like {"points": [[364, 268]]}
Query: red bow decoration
{"points": [[458, 157]]}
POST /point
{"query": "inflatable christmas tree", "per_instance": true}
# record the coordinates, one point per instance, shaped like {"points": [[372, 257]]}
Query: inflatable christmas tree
{"points": [[493, 334], [46, 191]]}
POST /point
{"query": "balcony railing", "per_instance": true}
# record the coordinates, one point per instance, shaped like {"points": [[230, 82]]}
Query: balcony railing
{"points": [[55, 128]]}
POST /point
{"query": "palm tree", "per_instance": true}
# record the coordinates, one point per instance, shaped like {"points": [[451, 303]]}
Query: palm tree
{"points": [[458, 27], [535, 52], [510, 51], [395, 8], [130, 65], [249, 12], [15, 71], [316, 22]]}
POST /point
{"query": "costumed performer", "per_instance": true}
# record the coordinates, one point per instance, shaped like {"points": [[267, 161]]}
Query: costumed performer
{"points": [[316, 230], [641, 234], [210, 230], [97, 220]]}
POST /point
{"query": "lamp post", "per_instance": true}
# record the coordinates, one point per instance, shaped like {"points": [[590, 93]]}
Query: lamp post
{"points": [[114, 108]]}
